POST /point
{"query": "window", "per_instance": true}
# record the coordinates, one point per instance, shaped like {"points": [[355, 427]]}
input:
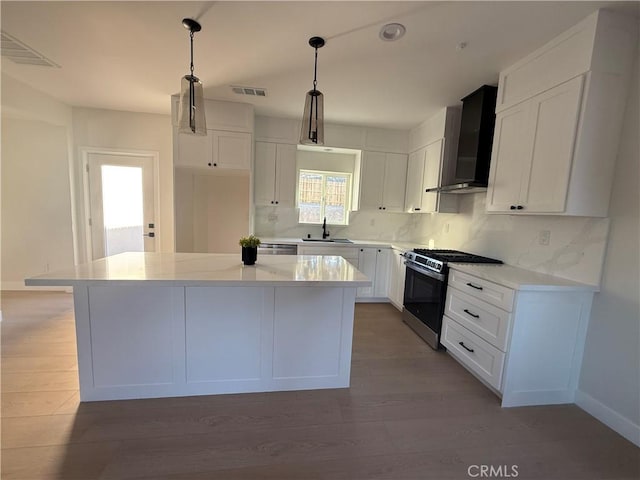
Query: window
{"points": [[324, 194]]}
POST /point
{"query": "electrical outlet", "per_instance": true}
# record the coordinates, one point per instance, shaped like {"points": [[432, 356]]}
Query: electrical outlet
{"points": [[544, 237], [372, 222], [446, 228], [272, 217]]}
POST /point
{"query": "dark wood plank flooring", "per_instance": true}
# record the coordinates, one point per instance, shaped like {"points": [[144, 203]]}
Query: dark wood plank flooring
{"points": [[411, 413]]}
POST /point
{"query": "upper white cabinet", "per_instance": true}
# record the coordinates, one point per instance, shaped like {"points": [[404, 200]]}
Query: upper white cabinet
{"points": [[275, 174], [533, 152], [218, 149], [383, 180], [434, 147], [558, 122], [425, 171], [228, 143]]}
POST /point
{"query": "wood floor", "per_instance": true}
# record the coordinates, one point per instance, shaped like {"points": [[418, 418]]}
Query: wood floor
{"points": [[411, 413]]}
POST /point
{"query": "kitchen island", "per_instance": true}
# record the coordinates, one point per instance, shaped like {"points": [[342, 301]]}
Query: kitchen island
{"points": [[178, 324]]}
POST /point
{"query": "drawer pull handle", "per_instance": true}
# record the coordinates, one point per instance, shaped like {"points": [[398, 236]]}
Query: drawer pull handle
{"points": [[471, 314], [469, 284], [465, 347]]}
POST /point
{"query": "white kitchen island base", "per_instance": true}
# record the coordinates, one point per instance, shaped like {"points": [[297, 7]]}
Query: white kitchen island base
{"points": [[143, 339]]}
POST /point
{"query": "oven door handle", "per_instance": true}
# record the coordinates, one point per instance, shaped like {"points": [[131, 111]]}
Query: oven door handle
{"points": [[424, 271]]}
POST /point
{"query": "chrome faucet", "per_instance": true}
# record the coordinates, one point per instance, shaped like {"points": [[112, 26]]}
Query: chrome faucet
{"points": [[325, 232]]}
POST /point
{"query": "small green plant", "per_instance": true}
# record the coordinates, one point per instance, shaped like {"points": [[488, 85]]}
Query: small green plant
{"points": [[250, 241]]}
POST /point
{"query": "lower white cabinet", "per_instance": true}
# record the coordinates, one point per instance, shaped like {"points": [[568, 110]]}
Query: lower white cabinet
{"points": [[374, 263], [525, 343], [397, 273], [350, 254]]}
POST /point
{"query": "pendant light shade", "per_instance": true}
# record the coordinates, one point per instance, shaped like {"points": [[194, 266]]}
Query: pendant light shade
{"points": [[191, 117], [312, 132]]}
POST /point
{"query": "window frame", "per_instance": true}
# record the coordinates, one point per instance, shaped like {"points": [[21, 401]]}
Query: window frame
{"points": [[325, 174]]}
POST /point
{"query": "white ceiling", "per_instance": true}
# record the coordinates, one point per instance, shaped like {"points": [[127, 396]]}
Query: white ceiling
{"points": [[131, 55]]}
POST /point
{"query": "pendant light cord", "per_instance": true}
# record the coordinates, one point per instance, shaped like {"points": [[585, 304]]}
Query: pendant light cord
{"points": [[315, 71], [191, 36]]}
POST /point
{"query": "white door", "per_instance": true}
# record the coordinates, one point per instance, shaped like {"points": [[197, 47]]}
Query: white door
{"points": [[372, 182], [509, 158], [415, 170], [395, 182], [121, 204], [264, 174], [556, 114], [431, 176]]}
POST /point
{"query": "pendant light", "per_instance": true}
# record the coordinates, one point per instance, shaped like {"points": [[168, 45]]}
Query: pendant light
{"points": [[312, 132], [191, 106]]}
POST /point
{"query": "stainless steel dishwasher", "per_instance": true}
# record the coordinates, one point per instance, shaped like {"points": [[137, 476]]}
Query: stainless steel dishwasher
{"points": [[277, 249]]}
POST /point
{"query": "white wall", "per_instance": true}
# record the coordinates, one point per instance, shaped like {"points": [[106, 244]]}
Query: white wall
{"points": [[610, 378], [37, 216], [135, 131]]}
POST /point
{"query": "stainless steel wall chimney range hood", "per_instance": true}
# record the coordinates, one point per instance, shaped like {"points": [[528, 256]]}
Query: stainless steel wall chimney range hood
{"points": [[474, 146]]}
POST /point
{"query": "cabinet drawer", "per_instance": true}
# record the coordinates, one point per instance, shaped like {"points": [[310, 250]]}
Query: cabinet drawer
{"points": [[485, 290], [478, 355], [483, 319]]}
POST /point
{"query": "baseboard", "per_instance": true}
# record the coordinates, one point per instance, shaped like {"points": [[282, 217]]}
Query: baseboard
{"points": [[609, 417], [372, 300], [20, 286]]}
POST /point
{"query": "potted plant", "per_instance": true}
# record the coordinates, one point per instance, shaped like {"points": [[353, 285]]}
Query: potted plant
{"points": [[249, 249]]}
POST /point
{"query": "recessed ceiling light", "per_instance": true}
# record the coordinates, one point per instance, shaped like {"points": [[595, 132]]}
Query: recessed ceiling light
{"points": [[392, 32]]}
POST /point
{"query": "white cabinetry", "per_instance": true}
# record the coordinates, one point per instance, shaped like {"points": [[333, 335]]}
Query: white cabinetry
{"points": [[374, 263], [397, 271], [533, 152], [350, 254], [424, 171], [383, 181], [558, 123], [275, 174], [218, 149], [526, 344]]}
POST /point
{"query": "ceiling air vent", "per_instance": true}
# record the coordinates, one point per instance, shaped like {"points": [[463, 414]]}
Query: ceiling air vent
{"points": [[18, 52], [256, 92]]}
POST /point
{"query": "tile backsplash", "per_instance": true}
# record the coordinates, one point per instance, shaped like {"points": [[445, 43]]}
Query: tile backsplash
{"points": [[575, 250]]}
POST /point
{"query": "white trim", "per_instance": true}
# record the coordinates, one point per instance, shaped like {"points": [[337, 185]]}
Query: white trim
{"points": [[609, 417], [84, 156]]}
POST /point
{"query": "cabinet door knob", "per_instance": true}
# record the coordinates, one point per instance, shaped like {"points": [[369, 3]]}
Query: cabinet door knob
{"points": [[519, 207], [271, 202], [276, 202], [384, 208], [209, 164], [215, 164], [512, 207], [417, 209], [379, 208]]}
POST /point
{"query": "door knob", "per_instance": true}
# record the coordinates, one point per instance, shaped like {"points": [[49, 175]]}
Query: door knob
{"points": [[150, 235]]}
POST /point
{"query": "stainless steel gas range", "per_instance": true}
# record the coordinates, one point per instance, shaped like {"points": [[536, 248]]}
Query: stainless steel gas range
{"points": [[425, 289]]}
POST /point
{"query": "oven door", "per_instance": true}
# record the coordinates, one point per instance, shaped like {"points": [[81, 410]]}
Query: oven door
{"points": [[424, 296]]}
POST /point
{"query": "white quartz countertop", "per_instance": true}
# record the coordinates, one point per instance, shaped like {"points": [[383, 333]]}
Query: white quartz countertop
{"points": [[208, 269], [521, 279]]}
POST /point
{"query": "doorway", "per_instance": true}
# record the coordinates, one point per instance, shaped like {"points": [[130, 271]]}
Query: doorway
{"points": [[120, 202]]}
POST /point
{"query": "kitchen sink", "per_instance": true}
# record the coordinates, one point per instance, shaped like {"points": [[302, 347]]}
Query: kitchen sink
{"points": [[332, 240]]}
